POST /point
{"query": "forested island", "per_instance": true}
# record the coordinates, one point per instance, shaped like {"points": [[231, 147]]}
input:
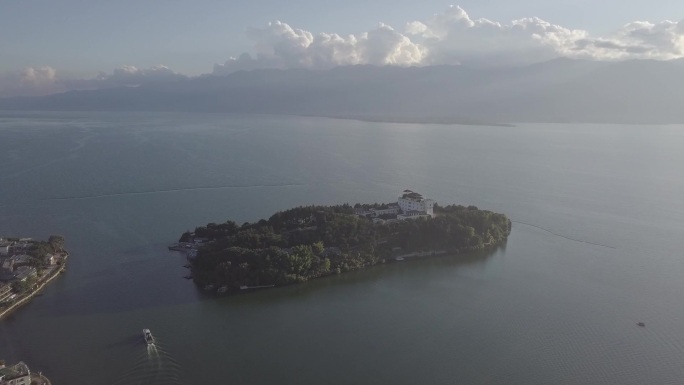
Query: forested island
{"points": [[303, 243]]}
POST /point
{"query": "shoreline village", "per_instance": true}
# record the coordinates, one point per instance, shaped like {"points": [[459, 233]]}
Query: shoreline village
{"points": [[26, 266]]}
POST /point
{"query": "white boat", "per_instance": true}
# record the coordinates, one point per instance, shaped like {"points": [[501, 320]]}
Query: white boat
{"points": [[148, 336]]}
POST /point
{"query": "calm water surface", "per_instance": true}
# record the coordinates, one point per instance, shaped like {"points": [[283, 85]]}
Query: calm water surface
{"points": [[596, 247]]}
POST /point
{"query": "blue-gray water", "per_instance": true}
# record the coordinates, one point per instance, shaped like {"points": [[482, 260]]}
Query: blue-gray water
{"points": [[597, 246]]}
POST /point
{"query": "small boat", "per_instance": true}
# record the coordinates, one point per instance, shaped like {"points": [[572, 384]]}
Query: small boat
{"points": [[148, 336], [641, 324]]}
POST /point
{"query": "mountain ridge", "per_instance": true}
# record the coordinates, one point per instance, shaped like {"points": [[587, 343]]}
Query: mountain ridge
{"points": [[560, 90]]}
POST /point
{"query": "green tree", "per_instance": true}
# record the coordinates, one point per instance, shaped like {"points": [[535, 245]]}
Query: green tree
{"points": [[21, 287], [57, 243], [186, 237]]}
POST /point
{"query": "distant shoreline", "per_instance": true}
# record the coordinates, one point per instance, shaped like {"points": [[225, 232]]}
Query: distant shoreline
{"points": [[371, 119], [359, 118], [409, 120]]}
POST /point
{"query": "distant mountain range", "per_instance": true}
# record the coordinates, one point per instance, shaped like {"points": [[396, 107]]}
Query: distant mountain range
{"points": [[560, 90]]}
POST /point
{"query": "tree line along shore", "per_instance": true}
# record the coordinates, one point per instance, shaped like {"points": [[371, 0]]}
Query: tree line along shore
{"points": [[304, 243]]}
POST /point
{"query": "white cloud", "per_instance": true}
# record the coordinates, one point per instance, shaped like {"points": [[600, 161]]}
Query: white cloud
{"points": [[280, 46], [36, 81], [30, 81], [38, 76], [448, 37], [131, 76], [636, 40], [453, 37]]}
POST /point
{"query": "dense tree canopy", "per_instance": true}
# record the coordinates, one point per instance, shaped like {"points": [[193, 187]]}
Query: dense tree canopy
{"points": [[313, 241]]}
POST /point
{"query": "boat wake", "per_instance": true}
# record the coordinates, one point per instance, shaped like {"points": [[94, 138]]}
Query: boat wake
{"points": [[152, 366], [563, 236]]}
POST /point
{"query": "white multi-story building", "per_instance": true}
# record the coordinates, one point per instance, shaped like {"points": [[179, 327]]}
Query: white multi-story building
{"points": [[411, 201]]}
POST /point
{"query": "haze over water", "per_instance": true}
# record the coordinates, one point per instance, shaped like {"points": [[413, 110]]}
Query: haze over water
{"points": [[596, 247]]}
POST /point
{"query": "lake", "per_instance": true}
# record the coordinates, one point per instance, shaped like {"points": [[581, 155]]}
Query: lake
{"points": [[597, 246]]}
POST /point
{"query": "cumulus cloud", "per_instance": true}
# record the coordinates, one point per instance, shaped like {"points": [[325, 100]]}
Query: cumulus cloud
{"points": [[133, 76], [29, 82], [454, 37], [640, 39], [278, 45], [449, 37], [36, 81], [38, 76]]}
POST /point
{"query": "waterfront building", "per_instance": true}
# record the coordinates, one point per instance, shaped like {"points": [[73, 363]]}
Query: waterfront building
{"points": [[6, 271], [21, 260], [7, 263], [5, 291], [50, 259], [9, 271], [18, 374]]}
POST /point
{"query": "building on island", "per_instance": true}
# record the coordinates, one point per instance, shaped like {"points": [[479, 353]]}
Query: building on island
{"points": [[6, 270], [23, 273], [410, 205], [4, 247], [50, 259], [391, 209], [18, 374], [21, 260], [412, 201], [7, 263], [16, 268]]}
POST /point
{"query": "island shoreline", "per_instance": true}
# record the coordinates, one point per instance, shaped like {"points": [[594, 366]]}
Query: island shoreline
{"points": [[28, 297], [26, 268], [310, 242]]}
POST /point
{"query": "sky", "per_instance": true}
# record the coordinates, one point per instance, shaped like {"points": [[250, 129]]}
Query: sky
{"points": [[45, 44]]}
